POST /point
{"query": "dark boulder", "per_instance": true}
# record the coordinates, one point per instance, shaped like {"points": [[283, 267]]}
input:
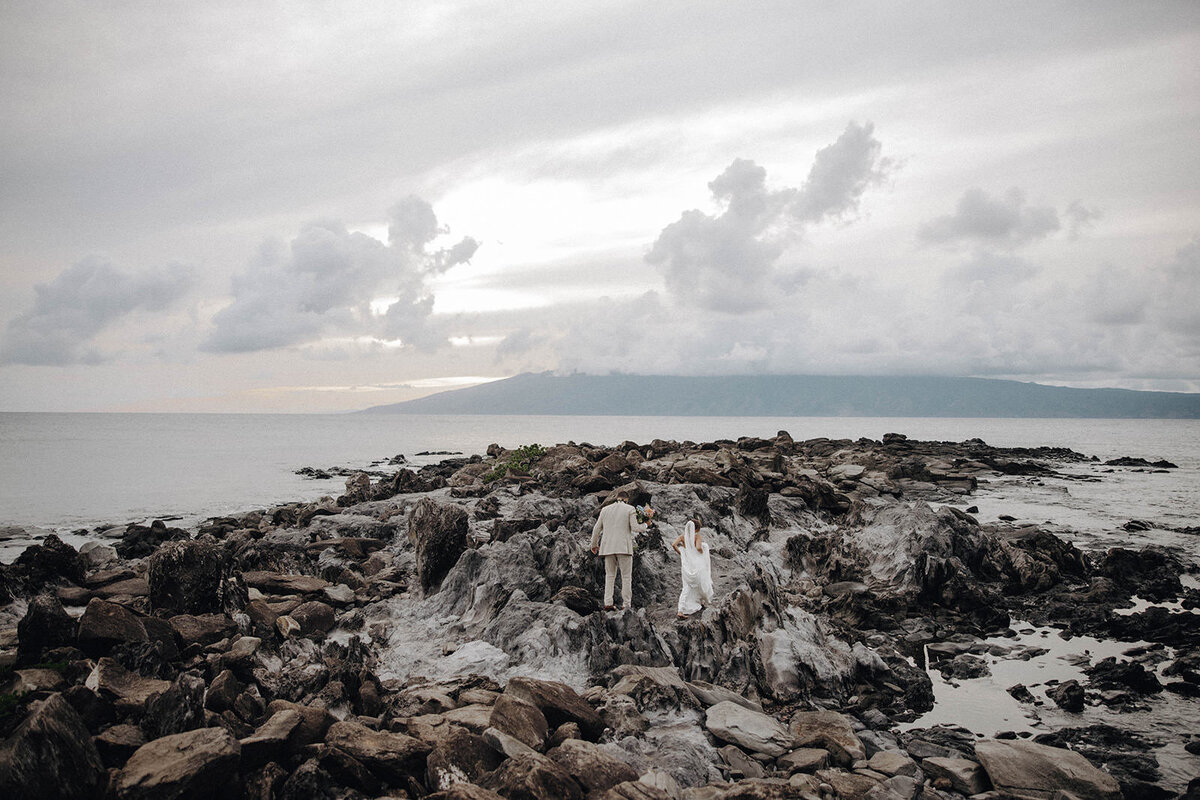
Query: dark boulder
{"points": [[46, 625], [180, 708], [393, 757], [521, 720], [197, 764], [593, 768], [469, 791], [461, 755], [1068, 695], [314, 617], [51, 561], [118, 743], [104, 625], [559, 703], [310, 782], [752, 502], [439, 534], [185, 577], [202, 629], [1151, 573], [140, 541], [530, 776], [579, 600], [1125, 675], [51, 755]]}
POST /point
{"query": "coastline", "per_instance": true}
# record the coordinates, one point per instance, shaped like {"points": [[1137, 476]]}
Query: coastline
{"points": [[841, 566]]}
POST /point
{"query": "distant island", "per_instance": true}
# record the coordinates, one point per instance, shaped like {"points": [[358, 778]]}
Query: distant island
{"points": [[794, 396]]}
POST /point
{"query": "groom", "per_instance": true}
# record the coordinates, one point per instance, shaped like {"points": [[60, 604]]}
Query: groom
{"points": [[612, 538]]}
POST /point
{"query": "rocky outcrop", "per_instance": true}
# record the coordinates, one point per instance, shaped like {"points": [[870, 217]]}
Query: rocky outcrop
{"points": [[280, 653]]}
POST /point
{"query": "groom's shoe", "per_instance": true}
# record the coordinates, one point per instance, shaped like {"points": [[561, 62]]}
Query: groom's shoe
{"points": [[610, 608]]}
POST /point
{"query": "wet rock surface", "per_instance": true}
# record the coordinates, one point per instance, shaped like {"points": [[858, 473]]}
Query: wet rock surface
{"points": [[435, 633]]}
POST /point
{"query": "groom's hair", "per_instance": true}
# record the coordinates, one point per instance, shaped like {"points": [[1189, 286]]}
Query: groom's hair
{"points": [[622, 495]]}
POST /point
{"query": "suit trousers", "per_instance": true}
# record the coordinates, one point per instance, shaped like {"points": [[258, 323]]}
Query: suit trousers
{"points": [[612, 563]]}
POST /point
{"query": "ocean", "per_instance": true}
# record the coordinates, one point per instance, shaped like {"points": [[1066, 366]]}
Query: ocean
{"points": [[77, 472]]}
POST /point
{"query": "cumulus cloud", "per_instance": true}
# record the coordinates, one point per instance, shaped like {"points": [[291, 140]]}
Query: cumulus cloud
{"points": [[83, 301], [324, 281], [731, 261], [840, 173], [981, 219]]}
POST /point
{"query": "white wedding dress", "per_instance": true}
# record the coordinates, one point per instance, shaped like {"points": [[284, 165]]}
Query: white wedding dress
{"points": [[696, 572]]}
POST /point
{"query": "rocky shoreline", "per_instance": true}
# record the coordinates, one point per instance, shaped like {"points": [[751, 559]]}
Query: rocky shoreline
{"points": [[436, 633]]}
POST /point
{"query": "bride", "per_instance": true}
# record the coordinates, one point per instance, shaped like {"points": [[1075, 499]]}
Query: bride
{"points": [[694, 569]]}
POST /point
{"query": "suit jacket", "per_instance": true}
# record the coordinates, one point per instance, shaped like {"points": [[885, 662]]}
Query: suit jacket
{"points": [[614, 529]]}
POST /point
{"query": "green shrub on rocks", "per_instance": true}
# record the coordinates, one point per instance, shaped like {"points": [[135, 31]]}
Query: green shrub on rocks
{"points": [[518, 462]]}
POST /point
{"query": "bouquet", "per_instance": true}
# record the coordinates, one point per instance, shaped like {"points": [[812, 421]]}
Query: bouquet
{"points": [[645, 514]]}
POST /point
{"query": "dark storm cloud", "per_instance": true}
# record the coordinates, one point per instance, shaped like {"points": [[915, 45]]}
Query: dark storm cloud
{"points": [[84, 300], [981, 219], [323, 282], [729, 261]]}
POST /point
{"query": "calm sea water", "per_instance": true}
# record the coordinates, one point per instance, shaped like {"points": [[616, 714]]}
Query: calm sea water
{"points": [[66, 472]]}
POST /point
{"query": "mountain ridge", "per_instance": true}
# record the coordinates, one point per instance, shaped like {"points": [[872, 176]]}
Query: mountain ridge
{"points": [[794, 395]]}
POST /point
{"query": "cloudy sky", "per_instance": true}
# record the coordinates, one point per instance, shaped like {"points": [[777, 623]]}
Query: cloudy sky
{"points": [[295, 206]]}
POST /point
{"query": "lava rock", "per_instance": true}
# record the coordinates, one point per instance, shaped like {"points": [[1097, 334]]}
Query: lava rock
{"points": [[829, 730], [180, 708], [531, 776], [46, 625], [559, 703], [520, 719], [751, 730], [185, 577], [195, 764], [1068, 695], [1027, 767], [439, 534], [51, 561], [591, 766], [106, 624], [51, 755]]}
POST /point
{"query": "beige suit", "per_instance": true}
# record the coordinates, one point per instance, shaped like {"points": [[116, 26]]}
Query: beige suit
{"points": [[613, 536], [614, 529]]}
